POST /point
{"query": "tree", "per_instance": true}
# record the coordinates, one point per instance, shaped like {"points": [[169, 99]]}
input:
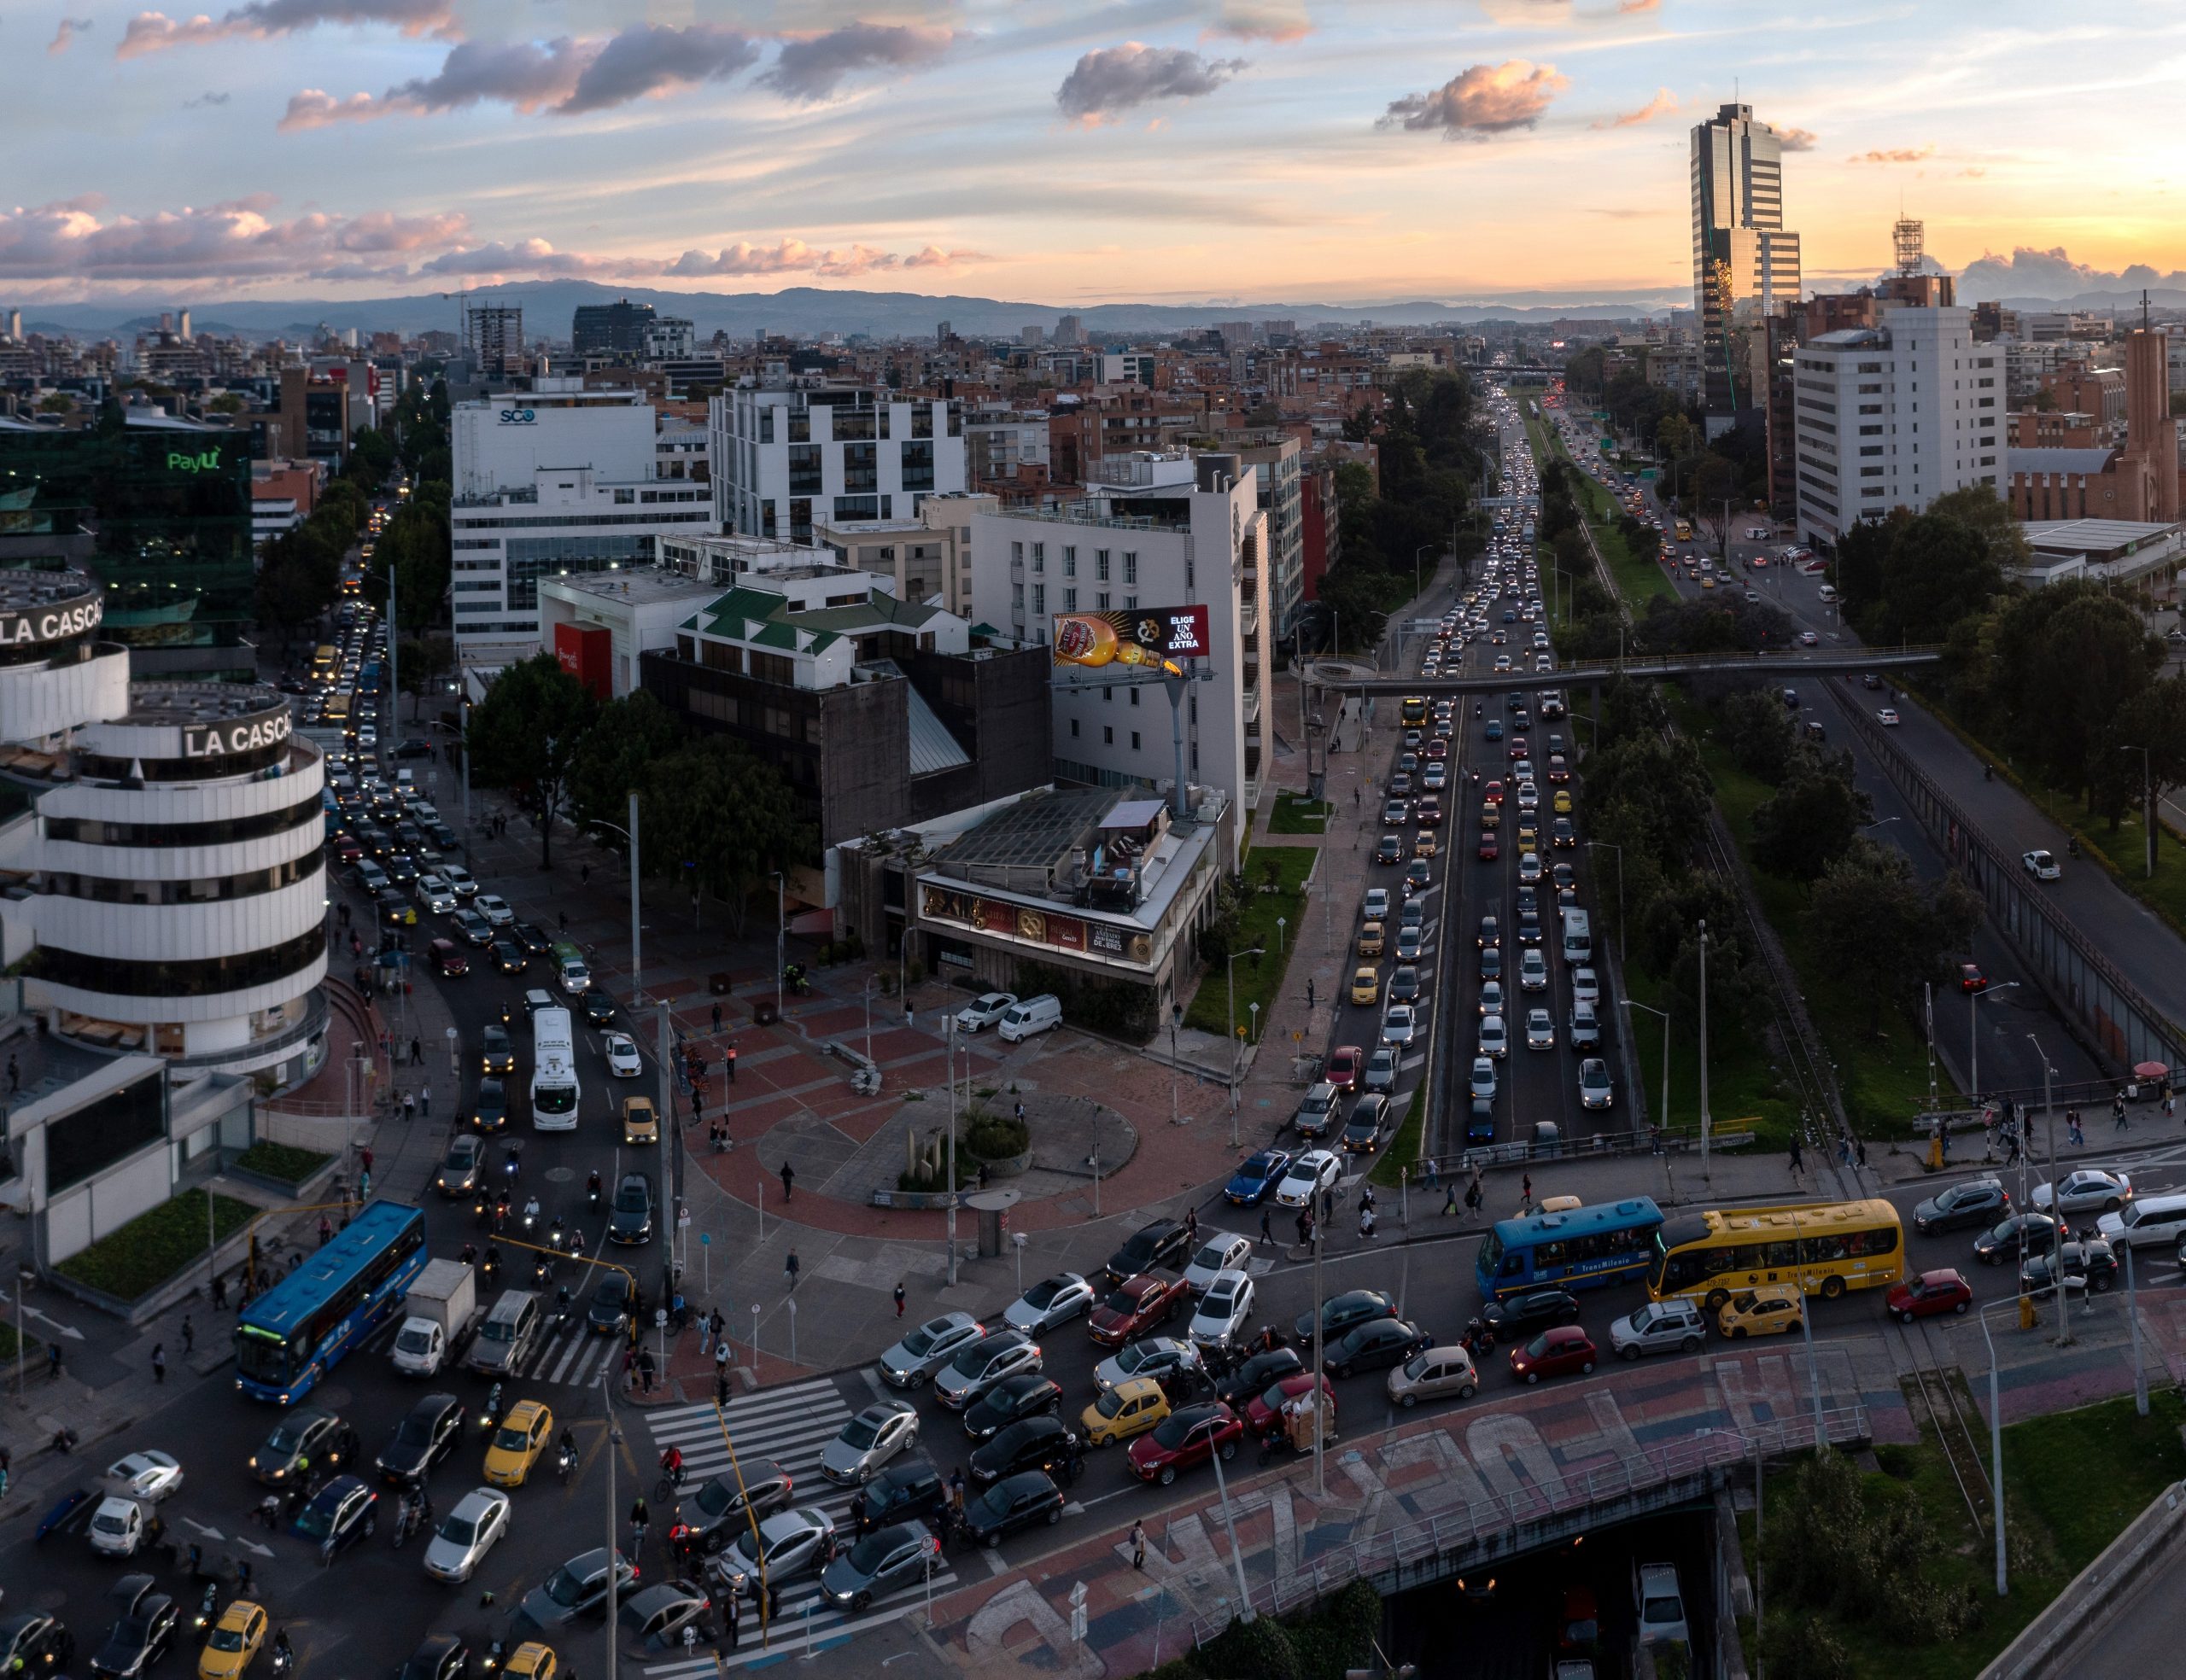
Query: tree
{"points": [[525, 734], [1875, 924], [616, 758], [733, 820], [426, 663], [1980, 508], [1862, 557], [2156, 718], [2066, 661], [296, 578], [228, 402], [1939, 570], [1661, 783], [1357, 596], [1755, 728], [1809, 821]]}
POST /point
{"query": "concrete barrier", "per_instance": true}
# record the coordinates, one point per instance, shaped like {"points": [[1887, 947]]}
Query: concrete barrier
{"points": [[2058, 1641]]}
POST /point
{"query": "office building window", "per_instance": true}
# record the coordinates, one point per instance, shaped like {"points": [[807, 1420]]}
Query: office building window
{"points": [[1069, 561], [1107, 735], [1130, 566], [1040, 599], [1073, 729], [766, 425], [1134, 740], [1070, 600], [1100, 565]]}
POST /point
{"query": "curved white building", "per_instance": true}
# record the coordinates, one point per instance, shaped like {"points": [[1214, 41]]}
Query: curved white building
{"points": [[167, 893]]}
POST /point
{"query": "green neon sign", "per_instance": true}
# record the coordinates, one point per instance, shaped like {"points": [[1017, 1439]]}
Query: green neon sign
{"points": [[204, 460]]}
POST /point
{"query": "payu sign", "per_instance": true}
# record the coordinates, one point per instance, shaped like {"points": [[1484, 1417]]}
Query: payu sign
{"points": [[220, 739], [202, 460]]}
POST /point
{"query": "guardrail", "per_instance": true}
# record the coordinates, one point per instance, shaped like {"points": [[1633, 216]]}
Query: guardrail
{"points": [[1439, 1547]]}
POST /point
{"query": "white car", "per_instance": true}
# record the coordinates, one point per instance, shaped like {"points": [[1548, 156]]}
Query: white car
{"points": [[466, 1534], [436, 893], [984, 1010], [1532, 970], [1494, 1037], [458, 878], [1219, 1251], [1149, 1357], [1887, 716], [1540, 1030], [2040, 864], [495, 909], [1310, 1173], [1049, 1303], [1378, 904], [2090, 1190], [622, 1056], [1661, 1606], [1224, 1311], [1397, 1026], [1484, 1078], [1594, 1088], [144, 1475], [1585, 988]]}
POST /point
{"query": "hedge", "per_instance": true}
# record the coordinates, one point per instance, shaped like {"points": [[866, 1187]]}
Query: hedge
{"points": [[282, 1163], [153, 1246]]}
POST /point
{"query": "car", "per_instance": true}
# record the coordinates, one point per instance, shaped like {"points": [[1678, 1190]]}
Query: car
{"points": [[1491, 998], [1412, 940], [1185, 1438], [442, 1657], [615, 1299], [1433, 1373], [466, 1534], [1564, 1350], [629, 1220], [2088, 1190], [310, 1439], [640, 1122], [1540, 1030], [1376, 905], [724, 1505], [1016, 1501], [146, 1475], [428, 1433], [1493, 793], [496, 1049], [120, 1526], [1342, 1313], [1887, 716], [1369, 1123], [1163, 1242], [495, 909], [1595, 1090], [473, 927], [489, 1107], [1218, 1251], [1028, 1394], [789, 1544], [1156, 1358], [1769, 1311], [1533, 971], [1494, 1038], [911, 1487], [1971, 978], [985, 1010], [1375, 1346], [2090, 1266], [35, 1643], [868, 1441], [1371, 940], [654, 1617], [1661, 1606], [1974, 1204], [577, 1588], [1135, 1306], [2002, 1241], [2040, 864], [1125, 1409], [1490, 934], [1530, 1310], [984, 1364], [518, 1439], [883, 1561], [1418, 875], [1051, 1302], [1483, 1076], [1312, 1173], [510, 957], [1258, 1175], [1404, 983], [1224, 1310], [1659, 1327], [1317, 1109], [1585, 988], [1928, 1294], [623, 1059], [1480, 1120], [1390, 849], [1398, 1024], [597, 1007], [341, 1513], [1380, 1074], [913, 1360], [148, 1627], [438, 896], [1366, 986]]}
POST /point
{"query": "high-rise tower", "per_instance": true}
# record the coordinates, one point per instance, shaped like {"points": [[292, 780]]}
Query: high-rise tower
{"points": [[1745, 262]]}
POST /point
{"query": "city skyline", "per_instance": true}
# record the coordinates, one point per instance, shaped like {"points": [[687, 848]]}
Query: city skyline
{"points": [[1228, 149]]}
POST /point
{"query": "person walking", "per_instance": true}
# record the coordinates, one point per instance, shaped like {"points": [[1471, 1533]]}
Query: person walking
{"points": [[221, 1290], [1434, 1174], [1309, 994], [731, 1610], [705, 1336], [644, 1369], [1474, 1197], [365, 1158], [789, 1270], [425, 1102], [1328, 1204], [1020, 1111], [1191, 1225], [717, 1018], [2074, 1136], [158, 1361], [899, 1297], [1450, 1197], [720, 1364], [2117, 1112], [1860, 1153], [416, 1052], [1267, 1234], [1526, 1192], [325, 1231], [189, 1337], [1137, 1544], [789, 1181], [1797, 1160]]}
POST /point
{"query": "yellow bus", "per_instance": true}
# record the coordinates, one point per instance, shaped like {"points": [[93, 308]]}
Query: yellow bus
{"points": [[1415, 710], [1685, 530], [324, 659], [337, 709], [1822, 1248]]}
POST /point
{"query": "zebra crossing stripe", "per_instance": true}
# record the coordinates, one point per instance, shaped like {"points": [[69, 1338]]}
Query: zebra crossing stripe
{"points": [[827, 1628]]}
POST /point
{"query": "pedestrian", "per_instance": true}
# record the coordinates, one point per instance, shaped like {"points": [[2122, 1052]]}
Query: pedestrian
{"points": [[1844, 1152], [409, 1105], [365, 1158], [717, 1018], [720, 1386], [425, 1102], [2117, 1112], [1526, 1192], [1304, 1222], [732, 1608], [1328, 1203], [789, 1270], [1474, 1196], [189, 1337], [1191, 1225], [645, 1368], [1020, 1111], [221, 1290], [158, 1361], [705, 1336], [584, 875], [1309, 994], [630, 1357], [53, 1360], [773, 1601], [1797, 1160], [14, 1077], [1137, 1544], [416, 1052], [1860, 1153], [789, 1181], [910, 1016], [1433, 1180], [721, 1361], [899, 1297], [1267, 1236], [1367, 1220], [325, 1232], [2072, 1133], [564, 915], [1450, 1197], [956, 1489]]}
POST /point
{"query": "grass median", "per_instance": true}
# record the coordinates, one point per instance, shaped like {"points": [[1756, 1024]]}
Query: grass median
{"points": [[153, 1246], [1275, 889]]}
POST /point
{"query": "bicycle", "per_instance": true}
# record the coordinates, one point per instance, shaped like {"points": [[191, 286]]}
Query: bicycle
{"points": [[667, 1486]]}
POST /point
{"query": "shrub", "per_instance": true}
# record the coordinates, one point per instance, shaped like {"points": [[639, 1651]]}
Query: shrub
{"points": [[153, 1246], [994, 1137], [282, 1163]]}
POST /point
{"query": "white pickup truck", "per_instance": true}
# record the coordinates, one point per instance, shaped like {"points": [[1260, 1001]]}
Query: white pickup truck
{"points": [[439, 1314]]}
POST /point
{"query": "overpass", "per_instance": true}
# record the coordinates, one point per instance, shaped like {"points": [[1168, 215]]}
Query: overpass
{"points": [[1344, 677]]}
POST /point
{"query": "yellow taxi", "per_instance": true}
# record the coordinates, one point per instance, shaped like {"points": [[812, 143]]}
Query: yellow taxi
{"points": [[523, 1435], [1366, 986], [1769, 1311], [531, 1661], [1563, 802], [1132, 1408], [1371, 940], [1425, 845], [1707, 583], [1491, 815], [234, 1640], [1529, 835], [641, 1121]]}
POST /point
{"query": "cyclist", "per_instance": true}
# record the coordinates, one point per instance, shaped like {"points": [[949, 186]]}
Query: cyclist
{"points": [[671, 1464]]}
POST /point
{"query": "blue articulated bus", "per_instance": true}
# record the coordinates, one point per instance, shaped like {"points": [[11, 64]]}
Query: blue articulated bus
{"points": [[1580, 1248], [295, 1332]]}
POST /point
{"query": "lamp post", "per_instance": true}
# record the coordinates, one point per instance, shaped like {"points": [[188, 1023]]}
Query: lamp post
{"points": [[2148, 806], [1176, 1020], [1806, 1335], [1662, 1116], [1606, 846], [1236, 1056], [1416, 585], [781, 937], [1973, 1030], [2057, 1212], [1995, 1448], [630, 834], [613, 1452], [949, 1044], [1704, 1124]]}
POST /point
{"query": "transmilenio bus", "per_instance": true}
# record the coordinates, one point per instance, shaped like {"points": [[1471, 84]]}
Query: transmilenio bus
{"points": [[553, 1072], [297, 1331], [1825, 1248], [1579, 1249]]}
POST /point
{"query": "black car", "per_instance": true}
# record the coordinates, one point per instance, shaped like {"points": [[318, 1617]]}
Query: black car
{"points": [[309, 1439], [496, 1049], [1370, 1116], [402, 870], [1163, 1243], [578, 1588], [1353, 1306], [537, 943], [1013, 1502], [413, 748], [148, 1626], [1479, 1121], [510, 957], [1027, 1394], [36, 1644], [612, 1303], [1999, 1245], [597, 1007], [1253, 1376], [884, 1560], [631, 1220], [1375, 1345], [1976, 1204], [1522, 1314], [909, 1488], [341, 1514], [421, 1440], [721, 1510], [2092, 1266], [442, 1657], [489, 1109], [1032, 1444]]}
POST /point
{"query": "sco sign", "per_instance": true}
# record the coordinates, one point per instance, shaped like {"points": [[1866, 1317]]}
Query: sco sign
{"points": [[518, 417]]}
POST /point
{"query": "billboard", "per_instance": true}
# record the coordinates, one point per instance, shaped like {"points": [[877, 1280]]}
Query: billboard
{"points": [[1152, 637]]}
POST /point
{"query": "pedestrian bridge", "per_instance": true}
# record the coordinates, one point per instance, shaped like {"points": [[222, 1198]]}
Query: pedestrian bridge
{"points": [[1345, 676]]}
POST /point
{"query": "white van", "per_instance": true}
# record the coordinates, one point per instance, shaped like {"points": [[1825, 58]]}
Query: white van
{"points": [[2150, 1219], [1826, 593], [1030, 1015]]}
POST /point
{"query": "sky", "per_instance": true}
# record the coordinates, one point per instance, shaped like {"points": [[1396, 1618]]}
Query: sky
{"points": [[1188, 151]]}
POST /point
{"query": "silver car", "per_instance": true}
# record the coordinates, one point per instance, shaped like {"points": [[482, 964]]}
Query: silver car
{"points": [[1049, 1303], [1154, 1357], [980, 1367], [466, 1534], [1217, 1251], [1660, 1326], [868, 1441], [928, 1348], [790, 1543]]}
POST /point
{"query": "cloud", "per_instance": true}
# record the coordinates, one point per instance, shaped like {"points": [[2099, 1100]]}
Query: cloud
{"points": [[1971, 172], [2028, 272], [236, 240], [1115, 79], [1274, 20], [1663, 104], [813, 66], [315, 108], [1894, 155], [648, 59], [1483, 99], [153, 32], [1798, 139], [203, 100], [1626, 7], [794, 256], [69, 29]]}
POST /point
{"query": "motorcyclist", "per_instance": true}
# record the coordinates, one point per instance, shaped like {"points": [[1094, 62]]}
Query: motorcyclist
{"points": [[530, 1213], [283, 1653], [592, 1186], [469, 1253], [493, 1259]]}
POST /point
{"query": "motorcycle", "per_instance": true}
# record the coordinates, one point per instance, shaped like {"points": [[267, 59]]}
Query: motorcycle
{"points": [[555, 1233], [593, 1191], [2072, 846], [285, 1657], [208, 1607], [492, 1264], [542, 1267], [489, 1414], [566, 1462]]}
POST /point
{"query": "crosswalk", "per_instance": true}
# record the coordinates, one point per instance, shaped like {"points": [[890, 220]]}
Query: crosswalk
{"points": [[577, 1357], [791, 1426]]}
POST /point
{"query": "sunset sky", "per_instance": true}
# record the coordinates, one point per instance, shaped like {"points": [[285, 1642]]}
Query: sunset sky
{"points": [[1194, 150]]}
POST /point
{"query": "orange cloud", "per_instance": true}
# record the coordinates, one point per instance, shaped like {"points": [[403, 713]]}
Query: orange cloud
{"points": [[1663, 104], [1893, 155]]}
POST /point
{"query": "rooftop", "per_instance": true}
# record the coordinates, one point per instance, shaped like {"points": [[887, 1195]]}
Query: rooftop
{"points": [[188, 703], [27, 591], [644, 585], [2057, 459], [2094, 536]]}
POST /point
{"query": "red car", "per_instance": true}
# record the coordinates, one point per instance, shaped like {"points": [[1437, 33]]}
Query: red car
{"points": [[1556, 1352], [1263, 1411], [1929, 1294], [1971, 978], [347, 849], [1134, 1307], [1437, 749], [1493, 793], [1519, 748], [1489, 851], [1428, 814], [1185, 1438], [1343, 1064]]}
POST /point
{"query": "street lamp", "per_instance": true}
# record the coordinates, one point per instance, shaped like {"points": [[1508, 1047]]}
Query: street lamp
{"points": [[2056, 1206], [1995, 1446], [630, 834], [1884, 823], [1606, 847], [781, 937], [1176, 1020], [1663, 1118], [1417, 586], [1973, 1030], [1236, 1056], [2148, 806]]}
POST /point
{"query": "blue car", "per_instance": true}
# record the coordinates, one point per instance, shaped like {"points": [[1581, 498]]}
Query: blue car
{"points": [[1256, 1179], [1495, 729]]}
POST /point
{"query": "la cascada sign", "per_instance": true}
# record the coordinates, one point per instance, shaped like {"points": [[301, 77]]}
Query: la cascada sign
{"points": [[51, 624], [218, 740]]}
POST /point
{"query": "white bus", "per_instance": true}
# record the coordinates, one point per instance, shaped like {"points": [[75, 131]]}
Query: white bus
{"points": [[1578, 937], [553, 1072]]}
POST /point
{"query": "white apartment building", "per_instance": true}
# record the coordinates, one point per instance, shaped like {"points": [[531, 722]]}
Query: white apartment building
{"points": [[555, 481], [998, 442], [784, 458], [1275, 463], [1895, 416], [1157, 531]]}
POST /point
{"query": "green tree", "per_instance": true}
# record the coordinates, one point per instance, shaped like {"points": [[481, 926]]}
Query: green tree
{"points": [[1980, 508], [1663, 785], [1359, 597], [733, 820], [426, 663], [1809, 821], [1755, 728], [617, 757], [1939, 570], [524, 735], [296, 579], [1873, 923], [2154, 719]]}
